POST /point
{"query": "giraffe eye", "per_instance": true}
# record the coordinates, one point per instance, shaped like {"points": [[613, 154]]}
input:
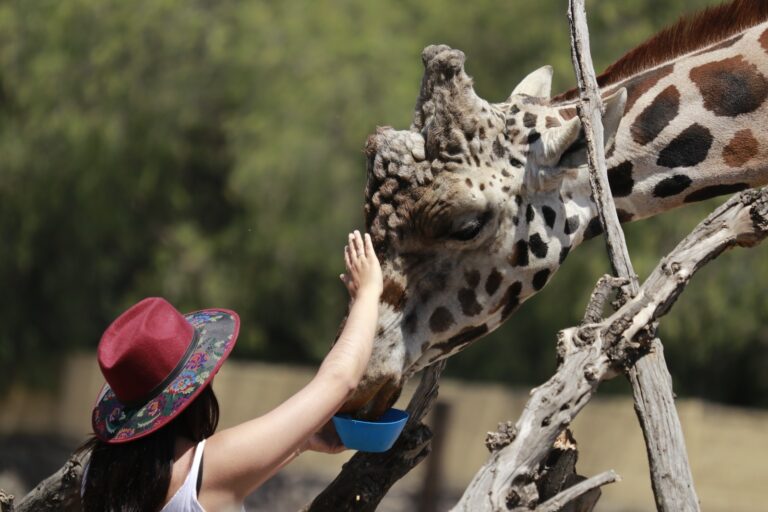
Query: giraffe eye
{"points": [[471, 228]]}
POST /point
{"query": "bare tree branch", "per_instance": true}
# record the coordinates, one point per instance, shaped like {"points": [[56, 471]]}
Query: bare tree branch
{"points": [[367, 477], [651, 382], [571, 493], [59, 492], [6, 502]]}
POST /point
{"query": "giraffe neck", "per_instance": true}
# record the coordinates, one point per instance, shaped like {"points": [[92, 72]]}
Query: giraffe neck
{"points": [[693, 128]]}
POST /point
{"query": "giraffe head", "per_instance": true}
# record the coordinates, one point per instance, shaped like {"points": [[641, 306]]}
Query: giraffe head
{"points": [[469, 214]]}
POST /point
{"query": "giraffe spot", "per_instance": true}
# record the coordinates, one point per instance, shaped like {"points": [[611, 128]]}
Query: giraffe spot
{"points": [[689, 148], [511, 121], [459, 341], [518, 200], [714, 191], [549, 216], [540, 279], [511, 299], [441, 320], [741, 148], [481, 133], [538, 246], [482, 186], [505, 188], [620, 179], [656, 116], [719, 46], [533, 136], [498, 149], [513, 133], [492, 282], [410, 322], [529, 120], [624, 215], [593, 229], [564, 254], [514, 109], [642, 83], [730, 86], [764, 40], [506, 174], [476, 159], [672, 186], [519, 256], [472, 277], [468, 182], [514, 162], [567, 113], [571, 224], [393, 294], [552, 122], [529, 213], [468, 301]]}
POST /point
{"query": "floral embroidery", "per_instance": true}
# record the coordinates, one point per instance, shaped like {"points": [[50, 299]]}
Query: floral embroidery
{"points": [[197, 360], [183, 383], [155, 406], [124, 433]]}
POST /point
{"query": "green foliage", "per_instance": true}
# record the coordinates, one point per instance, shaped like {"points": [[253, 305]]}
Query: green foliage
{"points": [[210, 152]]}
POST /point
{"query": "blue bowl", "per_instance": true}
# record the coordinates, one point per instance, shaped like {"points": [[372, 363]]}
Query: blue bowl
{"points": [[370, 436]]}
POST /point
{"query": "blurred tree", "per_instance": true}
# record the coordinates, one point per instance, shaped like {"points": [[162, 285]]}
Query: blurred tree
{"points": [[210, 152]]}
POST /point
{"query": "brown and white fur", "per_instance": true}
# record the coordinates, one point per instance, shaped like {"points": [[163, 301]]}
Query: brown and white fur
{"points": [[476, 206]]}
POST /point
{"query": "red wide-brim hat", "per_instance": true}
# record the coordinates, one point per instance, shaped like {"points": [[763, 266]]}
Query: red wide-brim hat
{"points": [[156, 361]]}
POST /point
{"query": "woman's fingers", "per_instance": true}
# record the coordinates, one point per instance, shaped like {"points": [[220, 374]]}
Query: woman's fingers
{"points": [[354, 253], [347, 258], [359, 244], [369, 251]]}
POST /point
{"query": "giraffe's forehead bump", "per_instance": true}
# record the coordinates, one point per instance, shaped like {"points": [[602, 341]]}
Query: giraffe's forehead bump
{"points": [[454, 159]]}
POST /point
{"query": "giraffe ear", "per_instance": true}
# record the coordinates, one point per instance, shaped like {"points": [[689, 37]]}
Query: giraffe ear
{"points": [[538, 83], [569, 150], [555, 142], [614, 111]]}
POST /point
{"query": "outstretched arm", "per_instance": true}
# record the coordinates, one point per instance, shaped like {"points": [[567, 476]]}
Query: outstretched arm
{"points": [[237, 460]]}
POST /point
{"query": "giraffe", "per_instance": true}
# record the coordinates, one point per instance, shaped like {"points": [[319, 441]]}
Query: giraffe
{"points": [[475, 207]]}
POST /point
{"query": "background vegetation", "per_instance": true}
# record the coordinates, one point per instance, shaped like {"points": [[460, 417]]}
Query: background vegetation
{"points": [[210, 152]]}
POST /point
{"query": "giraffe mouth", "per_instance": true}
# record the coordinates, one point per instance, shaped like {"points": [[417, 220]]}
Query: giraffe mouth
{"points": [[372, 399]]}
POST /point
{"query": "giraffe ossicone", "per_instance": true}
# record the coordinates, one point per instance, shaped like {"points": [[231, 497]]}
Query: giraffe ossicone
{"points": [[475, 207]]}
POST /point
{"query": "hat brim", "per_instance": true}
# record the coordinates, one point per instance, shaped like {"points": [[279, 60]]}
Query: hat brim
{"points": [[115, 422]]}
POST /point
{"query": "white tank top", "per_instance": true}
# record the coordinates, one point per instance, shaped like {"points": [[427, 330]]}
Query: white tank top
{"points": [[185, 499]]}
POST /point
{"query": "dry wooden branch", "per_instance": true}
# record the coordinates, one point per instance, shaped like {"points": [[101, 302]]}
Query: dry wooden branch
{"points": [[593, 352], [59, 492], [6, 502], [367, 477], [651, 382], [571, 493]]}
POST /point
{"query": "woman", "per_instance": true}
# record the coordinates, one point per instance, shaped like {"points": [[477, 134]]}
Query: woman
{"points": [[156, 448]]}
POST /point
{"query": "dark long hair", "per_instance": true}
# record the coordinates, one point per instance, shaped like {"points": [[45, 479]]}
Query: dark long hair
{"points": [[134, 476]]}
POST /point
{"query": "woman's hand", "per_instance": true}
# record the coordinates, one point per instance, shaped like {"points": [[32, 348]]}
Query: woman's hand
{"points": [[363, 269], [325, 440]]}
